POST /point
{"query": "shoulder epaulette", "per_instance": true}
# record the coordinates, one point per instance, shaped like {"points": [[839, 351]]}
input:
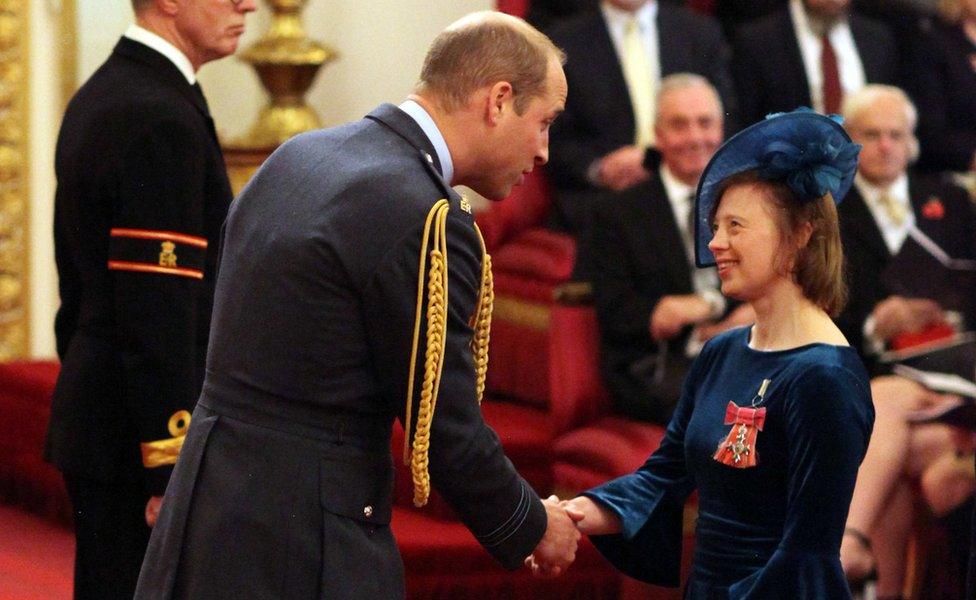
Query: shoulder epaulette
{"points": [[415, 452]]}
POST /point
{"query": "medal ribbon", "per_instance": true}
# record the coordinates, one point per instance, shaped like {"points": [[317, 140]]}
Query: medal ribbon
{"points": [[738, 449]]}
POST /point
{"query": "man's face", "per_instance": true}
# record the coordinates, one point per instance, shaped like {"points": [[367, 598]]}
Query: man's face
{"points": [[210, 29], [688, 130], [883, 129], [519, 143], [628, 5], [826, 9]]}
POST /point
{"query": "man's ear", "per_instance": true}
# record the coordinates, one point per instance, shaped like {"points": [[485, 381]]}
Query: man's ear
{"points": [[500, 101], [167, 7]]}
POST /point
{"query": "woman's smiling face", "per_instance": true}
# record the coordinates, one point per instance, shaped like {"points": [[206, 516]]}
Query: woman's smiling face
{"points": [[747, 242]]}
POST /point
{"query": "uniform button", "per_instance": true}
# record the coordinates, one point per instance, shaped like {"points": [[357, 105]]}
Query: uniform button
{"points": [[429, 158], [368, 511]]}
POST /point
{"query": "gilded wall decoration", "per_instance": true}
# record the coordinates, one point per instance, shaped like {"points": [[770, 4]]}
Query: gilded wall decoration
{"points": [[14, 192]]}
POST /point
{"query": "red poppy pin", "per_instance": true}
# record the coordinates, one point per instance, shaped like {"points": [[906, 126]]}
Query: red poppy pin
{"points": [[933, 209]]}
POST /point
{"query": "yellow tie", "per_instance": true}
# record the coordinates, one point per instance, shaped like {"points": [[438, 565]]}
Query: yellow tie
{"points": [[637, 73], [896, 211]]}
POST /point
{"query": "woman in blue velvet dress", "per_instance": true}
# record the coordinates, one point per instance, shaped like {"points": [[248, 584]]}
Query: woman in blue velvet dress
{"points": [[774, 419]]}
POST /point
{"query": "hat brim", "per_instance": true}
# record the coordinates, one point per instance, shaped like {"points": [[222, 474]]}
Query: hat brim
{"points": [[743, 152]]}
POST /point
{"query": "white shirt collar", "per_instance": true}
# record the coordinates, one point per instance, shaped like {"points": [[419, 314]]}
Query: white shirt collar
{"points": [[157, 43], [677, 190], [681, 197], [893, 234], [426, 123], [850, 67], [617, 18]]}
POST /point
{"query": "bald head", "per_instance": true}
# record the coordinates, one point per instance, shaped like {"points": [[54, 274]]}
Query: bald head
{"points": [[482, 49]]}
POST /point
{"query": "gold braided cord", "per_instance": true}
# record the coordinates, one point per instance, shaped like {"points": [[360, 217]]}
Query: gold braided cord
{"points": [[416, 327], [437, 303], [482, 317]]}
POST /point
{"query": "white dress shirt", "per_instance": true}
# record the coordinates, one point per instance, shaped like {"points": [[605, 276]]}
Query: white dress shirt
{"points": [[148, 38], [616, 20], [852, 77], [894, 234], [704, 282]]}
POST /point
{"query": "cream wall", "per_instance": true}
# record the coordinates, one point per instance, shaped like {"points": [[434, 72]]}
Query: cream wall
{"points": [[381, 45]]}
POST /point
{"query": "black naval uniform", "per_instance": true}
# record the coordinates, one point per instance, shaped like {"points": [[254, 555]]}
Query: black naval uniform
{"points": [[283, 488], [142, 192]]}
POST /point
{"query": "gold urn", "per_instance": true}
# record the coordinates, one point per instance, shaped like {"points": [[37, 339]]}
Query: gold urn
{"points": [[286, 62]]}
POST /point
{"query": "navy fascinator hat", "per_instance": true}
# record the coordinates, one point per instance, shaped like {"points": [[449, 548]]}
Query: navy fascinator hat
{"points": [[808, 151]]}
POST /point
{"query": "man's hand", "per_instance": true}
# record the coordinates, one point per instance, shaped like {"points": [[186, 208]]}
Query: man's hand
{"points": [[152, 510], [557, 549], [672, 313], [623, 168], [895, 315]]}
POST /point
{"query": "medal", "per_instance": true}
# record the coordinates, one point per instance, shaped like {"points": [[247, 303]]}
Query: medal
{"points": [[738, 449]]}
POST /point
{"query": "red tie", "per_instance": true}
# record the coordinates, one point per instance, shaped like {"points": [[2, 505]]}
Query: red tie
{"points": [[832, 93]]}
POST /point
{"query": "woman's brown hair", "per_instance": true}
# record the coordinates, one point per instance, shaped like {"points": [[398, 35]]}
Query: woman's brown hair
{"points": [[818, 266]]}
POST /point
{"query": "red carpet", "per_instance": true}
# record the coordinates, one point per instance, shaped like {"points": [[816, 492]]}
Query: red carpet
{"points": [[36, 557]]}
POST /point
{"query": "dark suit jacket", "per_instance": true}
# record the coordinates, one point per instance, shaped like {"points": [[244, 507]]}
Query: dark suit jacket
{"points": [[768, 67], [138, 166], [599, 117], [641, 260], [867, 257], [942, 81], [545, 14], [308, 367]]}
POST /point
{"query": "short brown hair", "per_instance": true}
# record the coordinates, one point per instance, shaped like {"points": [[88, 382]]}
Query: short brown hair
{"points": [[818, 267], [482, 49]]}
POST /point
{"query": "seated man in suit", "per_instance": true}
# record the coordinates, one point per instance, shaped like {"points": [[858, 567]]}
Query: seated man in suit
{"points": [[809, 53], [616, 57], [892, 222], [654, 307]]}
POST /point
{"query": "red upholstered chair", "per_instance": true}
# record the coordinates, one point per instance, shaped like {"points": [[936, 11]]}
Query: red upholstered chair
{"points": [[25, 403], [544, 351], [544, 360], [513, 7]]}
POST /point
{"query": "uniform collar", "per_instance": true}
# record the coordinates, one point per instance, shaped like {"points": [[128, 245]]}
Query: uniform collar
{"points": [[157, 43], [419, 114]]}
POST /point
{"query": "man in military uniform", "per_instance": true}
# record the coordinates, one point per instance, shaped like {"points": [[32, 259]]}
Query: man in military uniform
{"points": [[142, 192], [354, 290]]}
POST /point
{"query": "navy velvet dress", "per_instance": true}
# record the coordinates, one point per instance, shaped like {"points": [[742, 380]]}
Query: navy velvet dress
{"points": [[768, 531]]}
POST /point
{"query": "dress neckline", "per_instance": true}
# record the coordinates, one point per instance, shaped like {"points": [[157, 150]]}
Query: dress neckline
{"points": [[747, 334]]}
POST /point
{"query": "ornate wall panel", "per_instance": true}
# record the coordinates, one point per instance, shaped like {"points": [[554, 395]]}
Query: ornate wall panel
{"points": [[14, 192]]}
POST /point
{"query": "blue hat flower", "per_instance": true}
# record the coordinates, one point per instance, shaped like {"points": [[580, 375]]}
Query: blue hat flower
{"points": [[808, 151]]}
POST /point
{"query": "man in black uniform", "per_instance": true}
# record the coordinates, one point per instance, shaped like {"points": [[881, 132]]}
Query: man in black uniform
{"points": [[142, 192], [353, 291]]}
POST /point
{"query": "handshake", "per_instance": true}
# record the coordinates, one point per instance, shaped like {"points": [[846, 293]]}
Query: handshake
{"points": [[568, 520]]}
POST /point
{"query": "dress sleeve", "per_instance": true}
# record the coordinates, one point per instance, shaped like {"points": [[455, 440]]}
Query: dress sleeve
{"points": [[829, 417], [650, 501]]}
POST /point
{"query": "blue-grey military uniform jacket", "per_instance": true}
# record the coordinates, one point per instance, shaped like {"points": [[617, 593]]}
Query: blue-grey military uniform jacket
{"points": [[283, 488]]}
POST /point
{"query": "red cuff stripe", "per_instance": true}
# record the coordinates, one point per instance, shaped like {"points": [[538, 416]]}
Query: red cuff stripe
{"points": [[146, 234], [121, 265]]}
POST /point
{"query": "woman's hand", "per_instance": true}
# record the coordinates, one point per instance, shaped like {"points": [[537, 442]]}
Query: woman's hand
{"points": [[593, 518]]}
